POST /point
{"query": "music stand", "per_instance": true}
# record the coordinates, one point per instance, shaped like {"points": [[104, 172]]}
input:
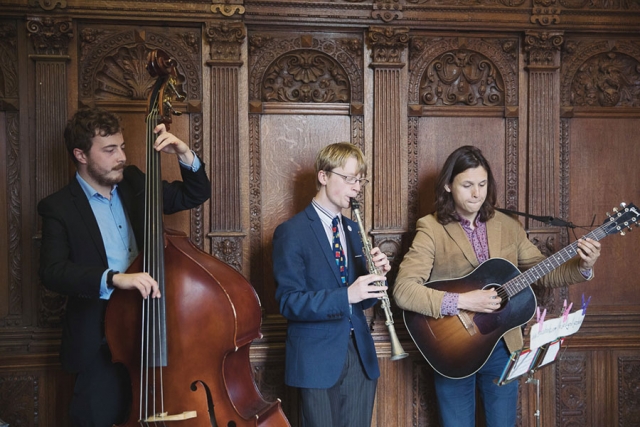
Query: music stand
{"points": [[547, 337]]}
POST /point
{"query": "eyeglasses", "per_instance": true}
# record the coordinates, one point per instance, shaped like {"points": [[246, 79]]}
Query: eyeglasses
{"points": [[351, 180]]}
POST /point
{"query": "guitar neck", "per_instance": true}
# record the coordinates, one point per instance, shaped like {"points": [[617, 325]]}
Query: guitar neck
{"points": [[545, 267]]}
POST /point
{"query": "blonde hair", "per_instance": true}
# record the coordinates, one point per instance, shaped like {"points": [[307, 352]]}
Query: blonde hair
{"points": [[336, 155]]}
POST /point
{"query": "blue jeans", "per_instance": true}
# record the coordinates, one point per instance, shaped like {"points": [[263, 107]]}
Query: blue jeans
{"points": [[457, 397]]}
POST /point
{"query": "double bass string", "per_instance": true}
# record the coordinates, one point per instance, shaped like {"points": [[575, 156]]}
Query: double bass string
{"points": [[153, 335]]}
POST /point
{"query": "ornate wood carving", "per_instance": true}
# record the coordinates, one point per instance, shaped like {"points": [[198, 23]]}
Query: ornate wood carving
{"points": [[601, 73], [279, 68], [451, 71], [389, 189], [48, 4], [196, 143], [305, 76], [50, 36], [228, 249], [255, 201], [544, 129], [14, 222], [511, 164], [387, 10], [11, 287], [388, 44], [225, 42], [423, 405], [500, 3], [112, 63], [8, 66], [228, 8], [305, 69], [607, 80], [545, 12], [572, 390], [600, 4], [19, 403], [628, 397], [461, 77], [542, 48], [412, 172]]}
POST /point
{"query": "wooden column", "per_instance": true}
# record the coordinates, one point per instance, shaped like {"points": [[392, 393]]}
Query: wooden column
{"points": [[50, 54], [225, 42], [10, 180], [50, 37], [389, 154], [543, 50]]}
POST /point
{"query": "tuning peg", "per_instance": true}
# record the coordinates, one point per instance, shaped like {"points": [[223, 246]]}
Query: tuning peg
{"points": [[608, 215], [623, 205], [615, 210], [622, 233]]}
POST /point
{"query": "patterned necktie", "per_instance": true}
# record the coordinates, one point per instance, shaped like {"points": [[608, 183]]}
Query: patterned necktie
{"points": [[337, 251]]}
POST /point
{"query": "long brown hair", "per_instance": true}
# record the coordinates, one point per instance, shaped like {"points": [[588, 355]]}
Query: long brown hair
{"points": [[463, 158]]}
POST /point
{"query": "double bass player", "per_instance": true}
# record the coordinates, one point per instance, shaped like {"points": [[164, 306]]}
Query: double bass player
{"points": [[91, 232]]}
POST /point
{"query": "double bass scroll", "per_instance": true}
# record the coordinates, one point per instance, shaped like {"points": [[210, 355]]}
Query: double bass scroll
{"points": [[187, 353]]}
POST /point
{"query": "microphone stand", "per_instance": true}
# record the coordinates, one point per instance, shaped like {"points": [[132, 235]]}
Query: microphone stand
{"points": [[544, 219]]}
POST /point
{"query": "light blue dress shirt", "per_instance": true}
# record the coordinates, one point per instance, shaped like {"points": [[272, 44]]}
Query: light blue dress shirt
{"points": [[115, 227]]}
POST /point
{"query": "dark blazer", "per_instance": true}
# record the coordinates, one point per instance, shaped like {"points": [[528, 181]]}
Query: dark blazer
{"points": [[311, 297], [73, 257]]}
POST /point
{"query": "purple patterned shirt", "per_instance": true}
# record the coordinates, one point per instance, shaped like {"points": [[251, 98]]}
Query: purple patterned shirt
{"points": [[478, 239]]}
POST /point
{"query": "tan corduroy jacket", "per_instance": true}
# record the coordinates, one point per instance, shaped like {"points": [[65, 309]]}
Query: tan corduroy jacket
{"points": [[444, 252]]}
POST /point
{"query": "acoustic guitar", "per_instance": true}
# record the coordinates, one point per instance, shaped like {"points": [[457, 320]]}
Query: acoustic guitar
{"points": [[458, 346]]}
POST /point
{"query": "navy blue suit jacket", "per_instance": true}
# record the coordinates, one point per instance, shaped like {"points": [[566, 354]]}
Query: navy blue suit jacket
{"points": [[316, 305], [73, 257]]}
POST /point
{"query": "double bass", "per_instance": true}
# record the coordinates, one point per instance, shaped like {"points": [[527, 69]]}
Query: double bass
{"points": [[187, 352]]}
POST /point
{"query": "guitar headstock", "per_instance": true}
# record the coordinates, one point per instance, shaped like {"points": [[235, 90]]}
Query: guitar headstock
{"points": [[621, 219]]}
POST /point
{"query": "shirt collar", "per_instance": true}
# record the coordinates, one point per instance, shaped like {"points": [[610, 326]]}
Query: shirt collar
{"points": [[326, 216], [89, 191], [465, 223]]}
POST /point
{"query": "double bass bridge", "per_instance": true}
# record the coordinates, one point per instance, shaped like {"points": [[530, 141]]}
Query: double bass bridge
{"points": [[164, 416]]}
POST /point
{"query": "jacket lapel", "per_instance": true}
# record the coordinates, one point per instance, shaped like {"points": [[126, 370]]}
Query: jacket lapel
{"points": [[321, 236], [457, 234], [494, 236], [81, 203]]}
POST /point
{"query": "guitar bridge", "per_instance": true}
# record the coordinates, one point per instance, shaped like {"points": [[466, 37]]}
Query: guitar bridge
{"points": [[467, 322]]}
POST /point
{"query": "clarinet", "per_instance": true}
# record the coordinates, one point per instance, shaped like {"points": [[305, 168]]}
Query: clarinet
{"points": [[397, 352]]}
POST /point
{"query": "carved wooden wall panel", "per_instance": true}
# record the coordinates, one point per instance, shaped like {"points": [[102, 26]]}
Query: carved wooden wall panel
{"points": [[602, 134], [304, 92], [11, 289], [225, 217], [549, 90]]}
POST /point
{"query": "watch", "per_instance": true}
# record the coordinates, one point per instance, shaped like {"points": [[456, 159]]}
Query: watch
{"points": [[110, 274]]}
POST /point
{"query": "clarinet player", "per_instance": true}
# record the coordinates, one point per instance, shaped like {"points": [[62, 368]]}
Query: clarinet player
{"points": [[323, 288]]}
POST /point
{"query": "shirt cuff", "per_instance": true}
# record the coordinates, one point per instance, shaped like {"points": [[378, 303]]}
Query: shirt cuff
{"points": [[587, 274], [449, 305], [193, 166], [105, 292]]}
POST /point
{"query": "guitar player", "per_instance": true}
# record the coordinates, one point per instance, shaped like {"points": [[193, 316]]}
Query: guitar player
{"points": [[464, 231]]}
